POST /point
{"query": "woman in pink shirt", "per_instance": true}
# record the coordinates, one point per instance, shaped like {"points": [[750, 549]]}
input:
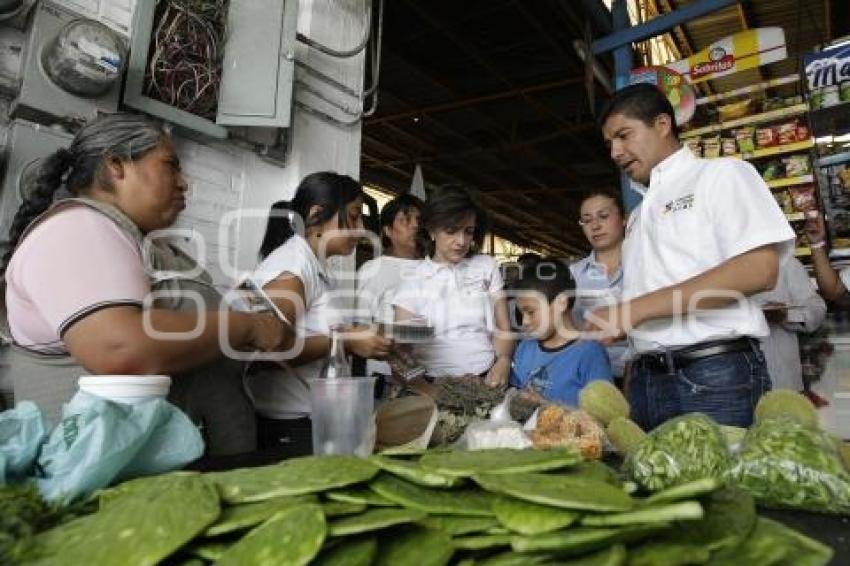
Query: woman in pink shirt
{"points": [[82, 282]]}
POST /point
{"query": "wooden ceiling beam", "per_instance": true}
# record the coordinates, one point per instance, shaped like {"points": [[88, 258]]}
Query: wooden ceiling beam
{"points": [[458, 104]]}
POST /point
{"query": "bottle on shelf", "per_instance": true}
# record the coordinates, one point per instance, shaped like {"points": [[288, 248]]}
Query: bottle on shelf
{"points": [[336, 365]]}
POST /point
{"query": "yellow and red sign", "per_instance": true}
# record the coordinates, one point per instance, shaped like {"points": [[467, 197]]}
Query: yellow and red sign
{"points": [[744, 50]]}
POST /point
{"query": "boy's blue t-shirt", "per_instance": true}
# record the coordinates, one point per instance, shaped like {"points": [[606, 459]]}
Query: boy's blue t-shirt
{"points": [[559, 374]]}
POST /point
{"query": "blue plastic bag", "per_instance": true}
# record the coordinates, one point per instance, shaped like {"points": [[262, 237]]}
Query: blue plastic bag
{"points": [[22, 432], [99, 441]]}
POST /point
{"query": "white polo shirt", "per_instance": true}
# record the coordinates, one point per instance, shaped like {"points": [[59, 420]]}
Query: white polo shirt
{"points": [[697, 214], [281, 393], [377, 279], [457, 300]]}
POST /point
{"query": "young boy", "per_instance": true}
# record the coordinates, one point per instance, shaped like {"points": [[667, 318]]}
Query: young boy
{"points": [[553, 364]]}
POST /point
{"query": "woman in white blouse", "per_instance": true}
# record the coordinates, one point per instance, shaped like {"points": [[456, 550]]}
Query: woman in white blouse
{"points": [[459, 292], [295, 275]]}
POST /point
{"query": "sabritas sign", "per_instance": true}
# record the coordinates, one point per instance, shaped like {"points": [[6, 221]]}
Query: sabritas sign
{"points": [[745, 50]]}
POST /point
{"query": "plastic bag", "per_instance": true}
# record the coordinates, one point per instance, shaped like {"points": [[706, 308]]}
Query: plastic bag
{"points": [[99, 441], [683, 449], [784, 464], [22, 431], [500, 431]]}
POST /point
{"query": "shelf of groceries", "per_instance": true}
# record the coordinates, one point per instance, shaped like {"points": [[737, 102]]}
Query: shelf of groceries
{"points": [[761, 118], [773, 134]]}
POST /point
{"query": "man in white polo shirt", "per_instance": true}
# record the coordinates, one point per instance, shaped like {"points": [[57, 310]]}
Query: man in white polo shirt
{"points": [[707, 236]]}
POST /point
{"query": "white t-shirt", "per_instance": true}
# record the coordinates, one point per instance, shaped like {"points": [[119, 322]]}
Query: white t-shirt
{"points": [[281, 394], [377, 279], [697, 214], [457, 301]]}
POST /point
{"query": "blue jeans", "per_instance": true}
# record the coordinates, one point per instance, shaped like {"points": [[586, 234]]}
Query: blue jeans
{"points": [[725, 387]]}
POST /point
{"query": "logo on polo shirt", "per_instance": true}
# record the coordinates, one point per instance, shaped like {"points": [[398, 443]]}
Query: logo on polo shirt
{"points": [[681, 203]]}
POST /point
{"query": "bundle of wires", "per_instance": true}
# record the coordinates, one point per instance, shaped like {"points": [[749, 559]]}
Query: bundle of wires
{"points": [[184, 69]]}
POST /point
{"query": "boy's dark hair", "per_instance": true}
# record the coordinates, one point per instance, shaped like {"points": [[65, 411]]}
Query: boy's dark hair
{"points": [[446, 208], [549, 276], [400, 204], [644, 102], [607, 193]]}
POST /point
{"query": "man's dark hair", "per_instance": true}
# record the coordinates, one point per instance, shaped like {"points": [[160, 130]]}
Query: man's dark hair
{"points": [[400, 204], [549, 276], [644, 102], [607, 193]]}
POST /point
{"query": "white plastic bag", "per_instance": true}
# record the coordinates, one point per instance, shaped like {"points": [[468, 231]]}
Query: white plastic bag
{"points": [[500, 431]]}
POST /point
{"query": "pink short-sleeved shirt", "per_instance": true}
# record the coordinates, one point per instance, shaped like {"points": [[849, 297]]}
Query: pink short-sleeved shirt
{"points": [[71, 265]]}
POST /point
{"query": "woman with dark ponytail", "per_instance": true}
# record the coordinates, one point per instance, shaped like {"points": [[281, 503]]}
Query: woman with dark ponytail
{"points": [[322, 220], [81, 276]]}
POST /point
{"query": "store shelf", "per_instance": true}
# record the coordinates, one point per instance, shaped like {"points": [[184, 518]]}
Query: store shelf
{"points": [[802, 252], [831, 119], [790, 181], [795, 216], [776, 150], [790, 79], [779, 114], [836, 159]]}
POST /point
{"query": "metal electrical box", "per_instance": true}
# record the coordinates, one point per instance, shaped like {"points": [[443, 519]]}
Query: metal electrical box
{"points": [[27, 145], [117, 14], [257, 72], [42, 98]]}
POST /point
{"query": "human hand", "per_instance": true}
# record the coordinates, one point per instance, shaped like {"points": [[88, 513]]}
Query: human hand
{"points": [[532, 395], [367, 343], [815, 228], [607, 324], [498, 375]]}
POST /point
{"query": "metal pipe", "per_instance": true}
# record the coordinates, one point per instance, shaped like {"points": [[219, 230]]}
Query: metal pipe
{"points": [[346, 53], [658, 25]]}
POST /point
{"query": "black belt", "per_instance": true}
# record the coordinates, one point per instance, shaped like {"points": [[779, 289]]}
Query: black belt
{"points": [[680, 358]]}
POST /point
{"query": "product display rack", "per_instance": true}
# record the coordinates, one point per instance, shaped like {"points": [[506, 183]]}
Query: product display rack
{"points": [[768, 139]]}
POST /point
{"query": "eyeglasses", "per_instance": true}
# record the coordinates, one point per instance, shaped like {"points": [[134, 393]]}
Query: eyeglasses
{"points": [[601, 216]]}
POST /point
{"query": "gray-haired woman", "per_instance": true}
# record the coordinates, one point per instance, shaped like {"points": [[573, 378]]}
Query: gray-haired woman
{"points": [[79, 272]]}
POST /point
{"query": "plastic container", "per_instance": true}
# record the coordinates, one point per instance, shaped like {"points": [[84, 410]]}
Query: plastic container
{"points": [[343, 415], [127, 389]]}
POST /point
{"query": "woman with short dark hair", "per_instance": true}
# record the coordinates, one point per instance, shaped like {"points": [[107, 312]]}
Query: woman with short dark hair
{"points": [[459, 292]]}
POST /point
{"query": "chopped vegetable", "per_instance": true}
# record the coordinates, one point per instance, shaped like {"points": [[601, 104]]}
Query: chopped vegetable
{"points": [[786, 464], [683, 449]]}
